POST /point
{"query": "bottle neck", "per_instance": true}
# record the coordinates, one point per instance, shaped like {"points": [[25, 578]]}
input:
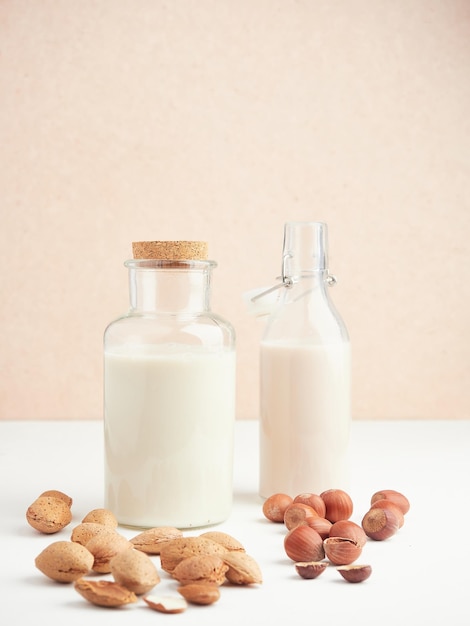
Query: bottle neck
{"points": [[305, 250], [169, 287], [308, 285], [304, 312], [305, 260]]}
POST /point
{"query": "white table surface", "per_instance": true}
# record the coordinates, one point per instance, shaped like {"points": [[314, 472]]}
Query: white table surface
{"points": [[421, 576]]}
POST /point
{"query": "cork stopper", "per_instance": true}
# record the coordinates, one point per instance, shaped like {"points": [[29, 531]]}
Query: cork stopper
{"points": [[170, 250]]}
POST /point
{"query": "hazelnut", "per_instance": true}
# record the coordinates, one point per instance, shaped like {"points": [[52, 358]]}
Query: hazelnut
{"points": [[321, 525], [313, 500], [298, 513], [311, 569], [338, 504], [275, 506], [394, 496], [341, 551], [380, 524], [355, 573], [389, 504], [303, 543], [348, 530]]}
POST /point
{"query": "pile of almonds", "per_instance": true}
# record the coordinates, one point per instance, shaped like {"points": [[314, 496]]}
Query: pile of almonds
{"points": [[200, 564], [319, 527]]}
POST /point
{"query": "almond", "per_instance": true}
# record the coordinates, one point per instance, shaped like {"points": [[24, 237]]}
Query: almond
{"points": [[206, 568], [48, 514], [200, 593], [101, 516], [227, 541], [104, 592], [242, 569], [64, 561], [174, 551], [55, 493], [135, 570], [104, 547], [82, 533], [152, 539]]}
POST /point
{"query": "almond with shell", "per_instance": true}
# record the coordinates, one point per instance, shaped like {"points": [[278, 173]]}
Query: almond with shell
{"points": [[104, 547], [173, 552], [201, 568], [64, 561], [227, 541], [84, 532], [200, 593], [134, 570], [152, 539], [104, 592], [243, 569], [56, 493], [48, 514], [101, 516]]}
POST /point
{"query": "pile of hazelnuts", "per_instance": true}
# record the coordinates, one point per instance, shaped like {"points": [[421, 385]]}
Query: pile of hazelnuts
{"points": [[319, 528]]}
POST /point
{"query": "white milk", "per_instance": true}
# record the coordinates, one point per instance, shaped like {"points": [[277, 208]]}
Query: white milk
{"points": [[169, 419], [305, 417]]}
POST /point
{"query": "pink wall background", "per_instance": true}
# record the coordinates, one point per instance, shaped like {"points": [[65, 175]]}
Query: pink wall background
{"points": [[126, 120]]}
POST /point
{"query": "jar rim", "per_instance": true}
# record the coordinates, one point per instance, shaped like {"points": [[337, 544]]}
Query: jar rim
{"points": [[177, 264]]}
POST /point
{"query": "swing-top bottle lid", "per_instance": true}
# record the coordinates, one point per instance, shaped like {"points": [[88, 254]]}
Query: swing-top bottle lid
{"points": [[170, 250]]}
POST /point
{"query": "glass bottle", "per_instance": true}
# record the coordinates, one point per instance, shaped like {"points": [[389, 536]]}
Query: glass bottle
{"points": [[169, 394], [305, 375]]}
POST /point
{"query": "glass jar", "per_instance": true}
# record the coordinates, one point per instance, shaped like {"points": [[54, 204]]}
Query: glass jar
{"points": [[305, 375], [169, 394]]}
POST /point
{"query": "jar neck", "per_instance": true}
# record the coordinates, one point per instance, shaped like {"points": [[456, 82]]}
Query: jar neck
{"points": [[169, 287]]}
